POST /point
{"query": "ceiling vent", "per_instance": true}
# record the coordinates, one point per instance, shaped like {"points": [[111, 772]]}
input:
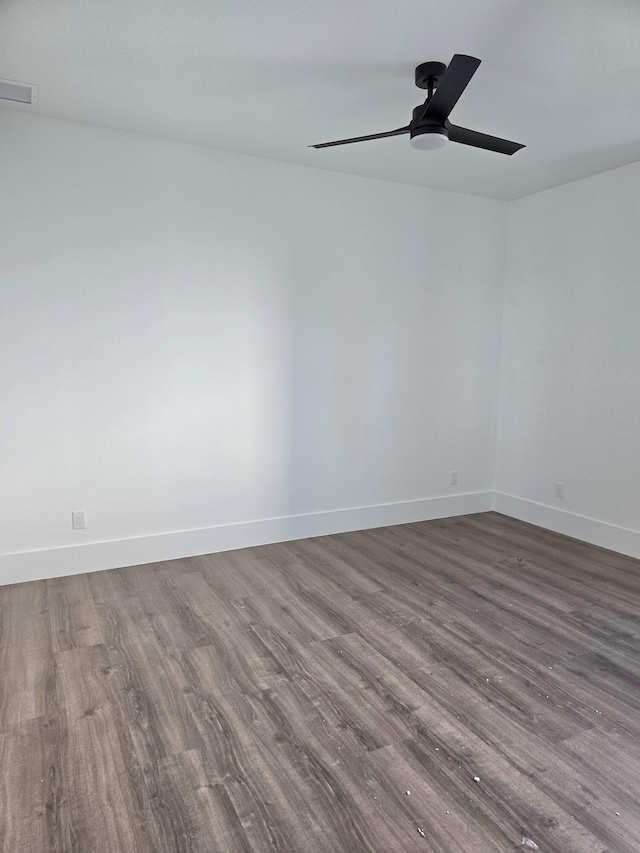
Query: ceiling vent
{"points": [[21, 93]]}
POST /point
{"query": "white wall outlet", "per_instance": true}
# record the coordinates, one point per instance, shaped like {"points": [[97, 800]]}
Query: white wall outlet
{"points": [[78, 520], [454, 478], [559, 490]]}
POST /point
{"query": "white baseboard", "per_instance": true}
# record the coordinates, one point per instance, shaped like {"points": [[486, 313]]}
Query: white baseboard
{"points": [[610, 536], [95, 556]]}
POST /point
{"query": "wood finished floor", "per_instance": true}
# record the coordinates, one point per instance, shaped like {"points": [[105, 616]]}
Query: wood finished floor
{"points": [[287, 698]]}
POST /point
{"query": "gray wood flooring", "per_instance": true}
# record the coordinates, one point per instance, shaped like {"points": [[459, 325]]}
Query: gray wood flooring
{"points": [[468, 684]]}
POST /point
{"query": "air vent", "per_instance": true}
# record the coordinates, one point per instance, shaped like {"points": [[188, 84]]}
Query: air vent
{"points": [[22, 93]]}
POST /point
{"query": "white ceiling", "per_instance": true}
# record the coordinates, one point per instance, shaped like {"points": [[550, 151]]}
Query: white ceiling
{"points": [[270, 78]]}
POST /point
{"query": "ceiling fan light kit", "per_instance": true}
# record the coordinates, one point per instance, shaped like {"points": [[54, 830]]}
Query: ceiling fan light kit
{"points": [[430, 127], [429, 139], [422, 136]]}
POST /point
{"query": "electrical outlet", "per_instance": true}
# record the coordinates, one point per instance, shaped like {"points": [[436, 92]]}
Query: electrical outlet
{"points": [[559, 490], [78, 520], [454, 478]]}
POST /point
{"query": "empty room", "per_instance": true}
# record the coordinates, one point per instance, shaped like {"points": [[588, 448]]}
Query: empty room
{"points": [[320, 426]]}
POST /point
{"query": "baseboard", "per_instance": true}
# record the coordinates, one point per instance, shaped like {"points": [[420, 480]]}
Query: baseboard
{"points": [[610, 536], [95, 556]]}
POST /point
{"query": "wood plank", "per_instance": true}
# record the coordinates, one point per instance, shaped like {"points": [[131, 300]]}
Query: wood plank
{"points": [[72, 613], [150, 688], [103, 809], [33, 811], [26, 664], [208, 818]]}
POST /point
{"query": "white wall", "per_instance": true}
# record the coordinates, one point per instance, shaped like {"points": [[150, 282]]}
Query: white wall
{"points": [[190, 338], [570, 368]]}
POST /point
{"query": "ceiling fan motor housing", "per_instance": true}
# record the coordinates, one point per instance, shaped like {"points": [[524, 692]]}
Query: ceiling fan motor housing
{"points": [[420, 128]]}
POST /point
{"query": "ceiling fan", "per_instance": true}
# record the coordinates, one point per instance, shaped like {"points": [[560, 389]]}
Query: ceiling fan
{"points": [[430, 127]]}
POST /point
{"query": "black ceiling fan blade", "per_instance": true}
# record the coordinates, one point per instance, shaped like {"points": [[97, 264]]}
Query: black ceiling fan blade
{"points": [[397, 132], [454, 81], [482, 140]]}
